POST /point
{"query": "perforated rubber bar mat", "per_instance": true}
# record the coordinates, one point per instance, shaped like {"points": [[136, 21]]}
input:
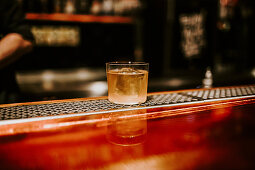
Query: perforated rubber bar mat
{"points": [[187, 97]]}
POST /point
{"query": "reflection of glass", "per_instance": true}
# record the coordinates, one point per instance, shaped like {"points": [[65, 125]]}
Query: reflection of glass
{"points": [[127, 82], [127, 128]]}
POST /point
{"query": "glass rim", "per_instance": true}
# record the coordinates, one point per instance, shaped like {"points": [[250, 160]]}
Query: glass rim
{"points": [[127, 63]]}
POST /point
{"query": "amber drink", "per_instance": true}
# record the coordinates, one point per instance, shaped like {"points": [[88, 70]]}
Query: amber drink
{"points": [[127, 82]]}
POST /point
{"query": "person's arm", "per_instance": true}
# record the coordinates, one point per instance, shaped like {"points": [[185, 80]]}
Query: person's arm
{"points": [[17, 38], [12, 46]]}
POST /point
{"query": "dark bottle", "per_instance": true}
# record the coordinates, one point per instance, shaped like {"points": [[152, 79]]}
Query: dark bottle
{"points": [[32, 6], [96, 7], [193, 34], [69, 7], [229, 36], [83, 6], [107, 7], [47, 6], [57, 6]]}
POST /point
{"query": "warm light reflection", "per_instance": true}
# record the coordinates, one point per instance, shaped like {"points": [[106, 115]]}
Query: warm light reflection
{"points": [[175, 82], [48, 85], [228, 2], [48, 75], [69, 7], [194, 109], [253, 72], [48, 78], [191, 118], [191, 137], [45, 126], [169, 161], [66, 124], [58, 75], [83, 74], [98, 88], [221, 113]]}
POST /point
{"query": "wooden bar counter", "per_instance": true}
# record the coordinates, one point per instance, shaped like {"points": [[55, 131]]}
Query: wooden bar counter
{"points": [[188, 129]]}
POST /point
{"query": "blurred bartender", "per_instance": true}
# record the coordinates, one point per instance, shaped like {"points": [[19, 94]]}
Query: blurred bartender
{"points": [[15, 41]]}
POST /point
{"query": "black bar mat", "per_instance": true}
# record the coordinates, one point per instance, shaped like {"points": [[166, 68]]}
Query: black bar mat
{"points": [[53, 109]]}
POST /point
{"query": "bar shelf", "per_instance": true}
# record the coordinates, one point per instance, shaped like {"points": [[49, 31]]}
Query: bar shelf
{"points": [[79, 18]]}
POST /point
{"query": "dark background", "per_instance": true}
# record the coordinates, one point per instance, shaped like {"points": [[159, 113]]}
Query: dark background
{"points": [[228, 52]]}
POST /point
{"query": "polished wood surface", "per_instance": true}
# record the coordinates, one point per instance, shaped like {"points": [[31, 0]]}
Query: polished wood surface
{"points": [[212, 135]]}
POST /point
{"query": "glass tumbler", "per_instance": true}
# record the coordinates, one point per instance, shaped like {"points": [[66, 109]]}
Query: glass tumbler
{"points": [[127, 82]]}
